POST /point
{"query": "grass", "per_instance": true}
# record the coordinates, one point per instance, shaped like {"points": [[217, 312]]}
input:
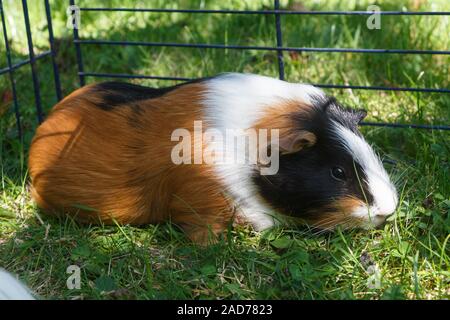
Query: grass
{"points": [[410, 252]]}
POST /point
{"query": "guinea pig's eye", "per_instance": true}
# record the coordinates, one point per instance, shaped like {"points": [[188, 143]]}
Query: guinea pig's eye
{"points": [[338, 173]]}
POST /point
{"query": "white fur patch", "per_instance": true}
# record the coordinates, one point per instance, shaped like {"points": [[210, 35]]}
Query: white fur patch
{"points": [[380, 186], [238, 101]]}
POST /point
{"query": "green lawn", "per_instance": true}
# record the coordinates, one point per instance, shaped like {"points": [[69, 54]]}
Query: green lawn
{"points": [[410, 252]]}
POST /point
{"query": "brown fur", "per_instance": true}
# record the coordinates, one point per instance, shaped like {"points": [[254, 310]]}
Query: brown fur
{"points": [[96, 164], [291, 138], [338, 213]]}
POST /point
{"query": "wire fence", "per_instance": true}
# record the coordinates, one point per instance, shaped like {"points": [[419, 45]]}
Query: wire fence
{"points": [[279, 49], [31, 61]]}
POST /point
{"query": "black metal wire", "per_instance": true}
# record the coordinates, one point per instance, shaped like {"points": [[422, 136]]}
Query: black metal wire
{"points": [[278, 48], [131, 76], [53, 51], [339, 86], [270, 12], [34, 74], [264, 48], [330, 86], [406, 126], [279, 40], [11, 73], [377, 124], [25, 62]]}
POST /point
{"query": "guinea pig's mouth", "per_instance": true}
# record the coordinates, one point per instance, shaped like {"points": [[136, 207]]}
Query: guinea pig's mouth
{"points": [[371, 223], [370, 217], [348, 214], [332, 223]]}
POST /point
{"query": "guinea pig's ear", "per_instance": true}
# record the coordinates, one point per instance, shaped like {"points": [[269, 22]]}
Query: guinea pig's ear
{"points": [[359, 114], [295, 141]]}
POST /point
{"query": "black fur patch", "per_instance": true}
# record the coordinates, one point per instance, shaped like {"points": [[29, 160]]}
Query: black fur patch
{"points": [[116, 94], [348, 117]]}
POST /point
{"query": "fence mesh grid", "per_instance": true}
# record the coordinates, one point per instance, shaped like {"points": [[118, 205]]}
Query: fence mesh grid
{"points": [[279, 49]]}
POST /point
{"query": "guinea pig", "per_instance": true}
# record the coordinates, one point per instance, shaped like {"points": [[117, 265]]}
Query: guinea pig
{"points": [[116, 153]]}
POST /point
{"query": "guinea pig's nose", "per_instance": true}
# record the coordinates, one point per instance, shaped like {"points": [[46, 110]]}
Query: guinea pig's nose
{"points": [[379, 221], [380, 217], [384, 214], [387, 205], [386, 208]]}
